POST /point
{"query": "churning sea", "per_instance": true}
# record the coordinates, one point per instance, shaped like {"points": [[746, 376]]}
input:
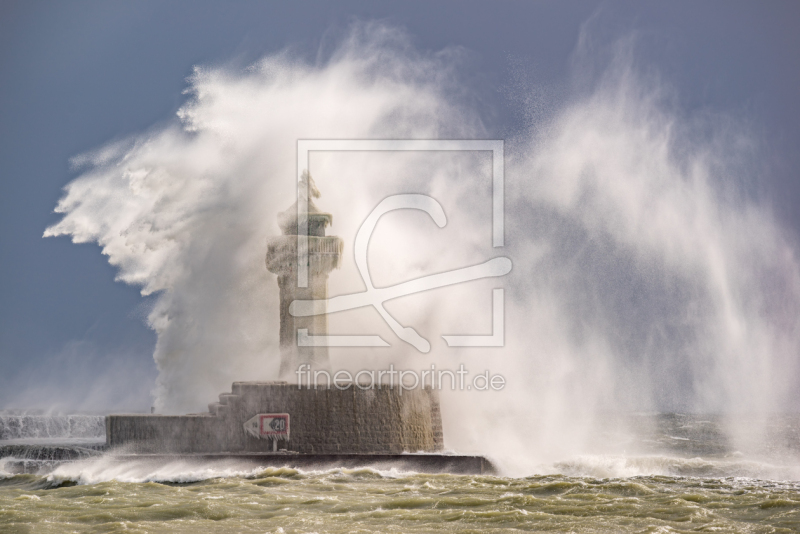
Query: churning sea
{"points": [[688, 480]]}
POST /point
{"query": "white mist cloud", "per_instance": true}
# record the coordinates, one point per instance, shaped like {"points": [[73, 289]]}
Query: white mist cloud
{"points": [[640, 280], [674, 269], [186, 211], [645, 279]]}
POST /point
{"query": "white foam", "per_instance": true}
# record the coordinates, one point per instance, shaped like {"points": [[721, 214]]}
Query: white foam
{"points": [[107, 468], [621, 466]]}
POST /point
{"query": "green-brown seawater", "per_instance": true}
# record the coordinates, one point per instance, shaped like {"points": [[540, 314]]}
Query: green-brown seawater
{"points": [[74, 499], [681, 473]]}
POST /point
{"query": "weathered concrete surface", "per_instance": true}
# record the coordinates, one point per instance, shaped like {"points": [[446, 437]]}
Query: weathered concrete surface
{"points": [[323, 421]]}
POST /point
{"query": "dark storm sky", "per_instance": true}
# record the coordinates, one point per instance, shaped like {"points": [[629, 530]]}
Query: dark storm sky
{"points": [[76, 75]]}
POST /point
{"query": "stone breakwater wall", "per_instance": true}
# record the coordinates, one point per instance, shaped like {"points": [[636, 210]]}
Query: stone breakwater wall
{"points": [[322, 421], [41, 426]]}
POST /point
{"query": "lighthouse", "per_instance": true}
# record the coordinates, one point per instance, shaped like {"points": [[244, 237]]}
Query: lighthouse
{"points": [[303, 226], [282, 423]]}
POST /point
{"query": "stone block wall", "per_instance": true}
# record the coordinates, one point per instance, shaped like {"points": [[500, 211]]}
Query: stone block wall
{"points": [[322, 421]]}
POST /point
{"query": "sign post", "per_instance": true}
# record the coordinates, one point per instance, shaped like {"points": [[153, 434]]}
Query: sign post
{"points": [[272, 426]]}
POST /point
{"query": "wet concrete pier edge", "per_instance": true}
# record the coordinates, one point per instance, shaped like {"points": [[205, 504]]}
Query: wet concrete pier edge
{"points": [[323, 421]]}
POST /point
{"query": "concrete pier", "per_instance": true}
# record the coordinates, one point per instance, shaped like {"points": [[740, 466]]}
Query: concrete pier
{"points": [[322, 421], [283, 424]]}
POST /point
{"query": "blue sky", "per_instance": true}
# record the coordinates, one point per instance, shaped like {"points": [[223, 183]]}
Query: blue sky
{"points": [[77, 75]]}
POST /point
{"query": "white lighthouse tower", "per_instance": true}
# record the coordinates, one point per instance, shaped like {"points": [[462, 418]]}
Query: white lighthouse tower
{"points": [[324, 255]]}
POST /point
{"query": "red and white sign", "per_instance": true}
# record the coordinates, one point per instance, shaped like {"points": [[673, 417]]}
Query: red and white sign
{"points": [[268, 425]]}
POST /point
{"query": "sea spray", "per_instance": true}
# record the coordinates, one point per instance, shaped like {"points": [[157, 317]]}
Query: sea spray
{"points": [[644, 278], [26, 426], [185, 211]]}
